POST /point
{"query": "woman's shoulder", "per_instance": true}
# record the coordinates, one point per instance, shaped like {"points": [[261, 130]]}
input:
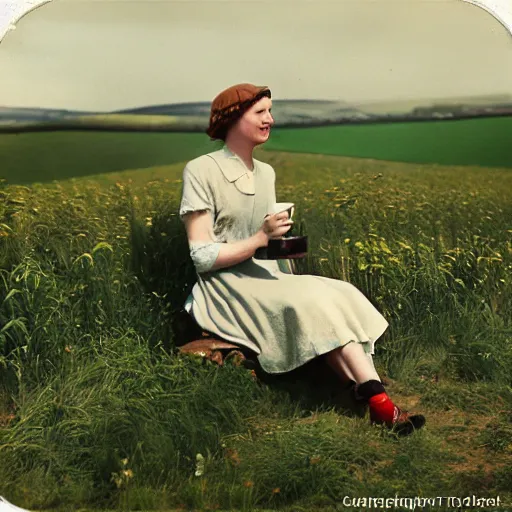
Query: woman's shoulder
{"points": [[203, 167], [200, 162], [267, 168]]}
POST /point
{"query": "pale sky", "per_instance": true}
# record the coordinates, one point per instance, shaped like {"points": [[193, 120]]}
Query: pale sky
{"points": [[115, 54]]}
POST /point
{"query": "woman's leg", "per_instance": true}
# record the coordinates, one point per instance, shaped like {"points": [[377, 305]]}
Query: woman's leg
{"points": [[351, 361]]}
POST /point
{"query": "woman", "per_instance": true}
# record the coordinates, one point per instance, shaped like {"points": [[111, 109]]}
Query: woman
{"points": [[285, 319]]}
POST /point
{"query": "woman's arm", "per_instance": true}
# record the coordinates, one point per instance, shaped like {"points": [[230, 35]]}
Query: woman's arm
{"points": [[209, 255], [196, 212], [199, 228]]}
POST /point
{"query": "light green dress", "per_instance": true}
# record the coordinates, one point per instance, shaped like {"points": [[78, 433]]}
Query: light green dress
{"points": [[285, 319]]}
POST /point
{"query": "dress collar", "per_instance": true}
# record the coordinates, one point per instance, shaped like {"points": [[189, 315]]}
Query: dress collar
{"points": [[234, 170], [233, 156]]}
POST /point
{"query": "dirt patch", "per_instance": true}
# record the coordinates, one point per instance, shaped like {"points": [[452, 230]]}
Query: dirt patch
{"points": [[460, 431]]}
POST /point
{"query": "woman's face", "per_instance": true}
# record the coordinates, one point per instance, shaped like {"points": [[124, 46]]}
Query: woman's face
{"points": [[256, 122]]}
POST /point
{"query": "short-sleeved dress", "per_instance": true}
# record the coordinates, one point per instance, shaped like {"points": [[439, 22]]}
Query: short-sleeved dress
{"points": [[286, 319]]}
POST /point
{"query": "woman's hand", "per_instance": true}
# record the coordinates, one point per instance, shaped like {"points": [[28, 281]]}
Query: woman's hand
{"points": [[276, 225]]}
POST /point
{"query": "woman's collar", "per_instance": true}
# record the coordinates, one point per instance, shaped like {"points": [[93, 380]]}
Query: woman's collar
{"points": [[235, 171], [231, 154]]}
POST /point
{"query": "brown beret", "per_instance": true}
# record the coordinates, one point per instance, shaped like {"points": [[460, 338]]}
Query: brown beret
{"points": [[231, 104]]}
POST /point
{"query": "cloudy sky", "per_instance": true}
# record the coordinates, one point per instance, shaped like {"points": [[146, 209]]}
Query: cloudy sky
{"points": [[107, 55]]}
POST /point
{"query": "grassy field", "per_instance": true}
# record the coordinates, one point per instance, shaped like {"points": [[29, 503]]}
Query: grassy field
{"points": [[47, 156], [482, 142], [98, 410]]}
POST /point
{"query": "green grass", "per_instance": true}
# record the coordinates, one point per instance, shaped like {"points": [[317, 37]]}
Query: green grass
{"points": [[105, 414], [482, 142], [47, 156]]}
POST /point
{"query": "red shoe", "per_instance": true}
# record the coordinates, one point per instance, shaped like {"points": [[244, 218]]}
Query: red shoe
{"points": [[384, 412]]}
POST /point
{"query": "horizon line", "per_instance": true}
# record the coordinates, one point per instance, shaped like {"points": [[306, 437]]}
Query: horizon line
{"points": [[508, 95]]}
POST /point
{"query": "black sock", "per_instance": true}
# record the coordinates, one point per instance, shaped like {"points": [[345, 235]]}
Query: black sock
{"points": [[350, 384], [370, 388]]}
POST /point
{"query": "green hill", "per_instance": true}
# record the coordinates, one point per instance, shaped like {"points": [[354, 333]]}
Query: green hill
{"points": [[484, 142], [45, 156]]}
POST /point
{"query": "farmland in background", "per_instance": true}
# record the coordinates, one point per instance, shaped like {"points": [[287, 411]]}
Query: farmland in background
{"points": [[45, 156]]}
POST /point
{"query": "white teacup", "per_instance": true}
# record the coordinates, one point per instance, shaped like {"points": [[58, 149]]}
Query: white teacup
{"points": [[284, 207], [285, 247]]}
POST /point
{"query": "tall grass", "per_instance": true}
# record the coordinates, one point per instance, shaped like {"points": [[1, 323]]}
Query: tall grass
{"points": [[107, 413], [432, 251]]}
